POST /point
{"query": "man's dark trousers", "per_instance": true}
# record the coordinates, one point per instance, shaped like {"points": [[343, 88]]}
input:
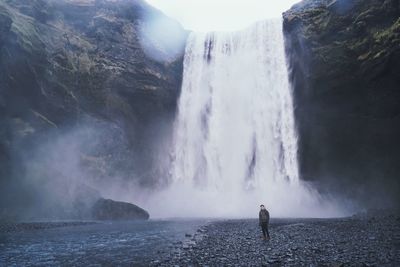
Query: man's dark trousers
{"points": [[264, 228]]}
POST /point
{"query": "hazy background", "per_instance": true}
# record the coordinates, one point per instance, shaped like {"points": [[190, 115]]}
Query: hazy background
{"points": [[221, 15]]}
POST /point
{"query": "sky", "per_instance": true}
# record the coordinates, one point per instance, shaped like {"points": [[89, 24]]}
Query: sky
{"points": [[221, 15]]}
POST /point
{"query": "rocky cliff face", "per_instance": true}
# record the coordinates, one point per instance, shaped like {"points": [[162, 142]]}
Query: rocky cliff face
{"points": [[100, 75], [345, 64]]}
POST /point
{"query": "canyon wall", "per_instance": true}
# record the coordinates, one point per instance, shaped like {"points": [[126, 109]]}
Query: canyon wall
{"points": [[344, 59], [100, 78]]}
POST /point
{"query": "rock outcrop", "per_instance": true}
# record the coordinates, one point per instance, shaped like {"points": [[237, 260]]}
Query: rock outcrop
{"points": [[345, 64], [107, 209], [64, 64]]}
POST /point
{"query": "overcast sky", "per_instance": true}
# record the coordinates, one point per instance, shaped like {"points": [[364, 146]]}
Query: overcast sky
{"points": [[209, 15]]}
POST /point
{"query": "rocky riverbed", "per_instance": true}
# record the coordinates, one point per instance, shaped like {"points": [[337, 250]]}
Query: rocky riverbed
{"points": [[362, 240]]}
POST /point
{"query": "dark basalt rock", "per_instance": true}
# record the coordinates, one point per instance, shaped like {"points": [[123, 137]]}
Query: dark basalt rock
{"points": [[107, 209], [344, 58]]}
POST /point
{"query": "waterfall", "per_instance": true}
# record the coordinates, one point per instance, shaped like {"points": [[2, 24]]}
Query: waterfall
{"points": [[235, 141], [235, 126]]}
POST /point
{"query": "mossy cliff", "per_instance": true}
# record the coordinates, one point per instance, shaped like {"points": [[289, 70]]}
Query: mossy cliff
{"points": [[78, 66], [344, 57]]}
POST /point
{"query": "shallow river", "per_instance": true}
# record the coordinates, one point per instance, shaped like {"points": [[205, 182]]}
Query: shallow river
{"points": [[121, 243]]}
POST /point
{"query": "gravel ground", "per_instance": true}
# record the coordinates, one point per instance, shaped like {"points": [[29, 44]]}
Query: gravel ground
{"points": [[355, 241]]}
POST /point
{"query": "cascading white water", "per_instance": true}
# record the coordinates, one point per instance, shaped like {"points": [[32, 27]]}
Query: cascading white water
{"points": [[235, 140], [235, 127]]}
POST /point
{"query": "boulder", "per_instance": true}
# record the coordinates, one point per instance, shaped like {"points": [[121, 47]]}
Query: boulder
{"points": [[107, 209]]}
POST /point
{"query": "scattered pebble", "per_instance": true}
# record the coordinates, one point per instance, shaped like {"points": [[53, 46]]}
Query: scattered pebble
{"points": [[353, 241]]}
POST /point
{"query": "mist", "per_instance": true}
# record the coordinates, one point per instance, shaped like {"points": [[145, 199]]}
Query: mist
{"points": [[235, 144], [199, 163], [227, 145], [57, 174], [62, 173]]}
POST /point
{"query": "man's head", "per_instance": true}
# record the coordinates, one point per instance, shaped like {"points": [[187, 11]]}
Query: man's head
{"points": [[262, 207]]}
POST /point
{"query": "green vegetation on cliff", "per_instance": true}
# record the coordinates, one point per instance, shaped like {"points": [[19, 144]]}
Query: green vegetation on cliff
{"points": [[67, 66], [345, 63]]}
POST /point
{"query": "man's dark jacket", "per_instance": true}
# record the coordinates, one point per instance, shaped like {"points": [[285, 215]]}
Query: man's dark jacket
{"points": [[263, 216]]}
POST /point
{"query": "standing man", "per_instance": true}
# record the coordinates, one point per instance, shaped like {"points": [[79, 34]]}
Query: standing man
{"points": [[263, 217]]}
